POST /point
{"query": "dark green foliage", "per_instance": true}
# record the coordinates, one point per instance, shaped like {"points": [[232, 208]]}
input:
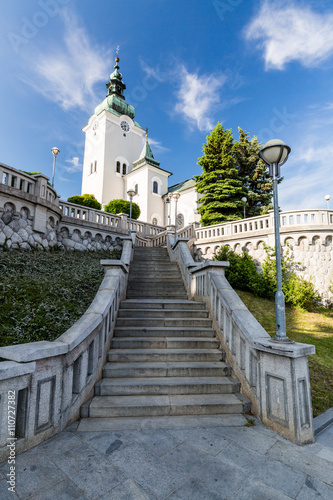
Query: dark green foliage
{"points": [[253, 173], [123, 207], [87, 200], [43, 293], [242, 275], [219, 183]]}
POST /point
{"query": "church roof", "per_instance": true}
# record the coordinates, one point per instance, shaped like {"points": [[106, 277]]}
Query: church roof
{"points": [[115, 99], [182, 186]]}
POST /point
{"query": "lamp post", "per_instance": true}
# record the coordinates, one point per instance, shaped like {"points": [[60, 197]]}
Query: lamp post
{"points": [[327, 198], [176, 195], [275, 154], [55, 152], [167, 201], [130, 193], [244, 200]]}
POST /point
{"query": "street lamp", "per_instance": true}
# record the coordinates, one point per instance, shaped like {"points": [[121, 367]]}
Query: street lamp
{"points": [[130, 193], [327, 198], [175, 195], [167, 201], [244, 200], [275, 154], [55, 152]]}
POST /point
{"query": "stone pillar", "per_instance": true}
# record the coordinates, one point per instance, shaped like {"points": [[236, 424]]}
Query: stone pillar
{"points": [[123, 223], [285, 396]]}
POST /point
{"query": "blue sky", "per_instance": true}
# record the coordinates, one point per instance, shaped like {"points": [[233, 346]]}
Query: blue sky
{"points": [[264, 66]]}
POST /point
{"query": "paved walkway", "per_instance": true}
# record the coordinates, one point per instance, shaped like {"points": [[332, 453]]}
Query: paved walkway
{"points": [[182, 459]]}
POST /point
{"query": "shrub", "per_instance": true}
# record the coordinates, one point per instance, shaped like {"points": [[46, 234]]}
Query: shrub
{"points": [[242, 274], [87, 200], [123, 207]]}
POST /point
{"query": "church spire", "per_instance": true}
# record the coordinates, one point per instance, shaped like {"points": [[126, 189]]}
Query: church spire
{"points": [[116, 85]]}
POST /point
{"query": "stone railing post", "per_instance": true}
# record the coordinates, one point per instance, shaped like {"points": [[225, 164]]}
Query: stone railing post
{"points": [[123, 222]]}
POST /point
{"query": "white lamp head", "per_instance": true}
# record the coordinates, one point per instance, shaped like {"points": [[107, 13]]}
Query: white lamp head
{"points": [[275, 151], [176, 195], [55, 151], [131, 192], [244, 200], [327, 197]]}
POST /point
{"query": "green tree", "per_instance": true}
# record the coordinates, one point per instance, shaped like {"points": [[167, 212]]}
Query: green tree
{"points": [[219, 183], [253, 173], [123, 207], [87, 200]]}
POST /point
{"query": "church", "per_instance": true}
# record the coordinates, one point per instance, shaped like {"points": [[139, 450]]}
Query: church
{"points": [[118, 158]]}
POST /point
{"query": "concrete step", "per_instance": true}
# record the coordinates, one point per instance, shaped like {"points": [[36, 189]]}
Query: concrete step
{"points": [[164, 343], [161, 304], [155, 275], [124, 331], [162, 313], [141, 355], [170, 322], [156, 287], [134, 406], [167, 369], [132, 294], [180, 422], [166, 386], [138, 266]]}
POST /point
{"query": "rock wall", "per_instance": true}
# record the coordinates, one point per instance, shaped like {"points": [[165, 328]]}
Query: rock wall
{"points": [[17, 232]]}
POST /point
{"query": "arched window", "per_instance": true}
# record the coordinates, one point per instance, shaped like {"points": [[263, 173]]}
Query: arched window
{"points": [[154, 221], [180, 220], [91, 168], [124, 168], [136, 189], [118, 167], [155, 187]]}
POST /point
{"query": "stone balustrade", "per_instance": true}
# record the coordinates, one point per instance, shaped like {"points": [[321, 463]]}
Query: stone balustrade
{"points": [[274, 376], [51, 381]]}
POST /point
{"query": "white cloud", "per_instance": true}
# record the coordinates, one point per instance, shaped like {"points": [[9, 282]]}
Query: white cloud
{"points": [[287, 32], [156, 145], [74, 165], [67, 74], [198, 98]]}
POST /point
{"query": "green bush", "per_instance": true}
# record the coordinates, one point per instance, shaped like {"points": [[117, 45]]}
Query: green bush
{"points": [[243, 275], [123, 207], [87, 200]]}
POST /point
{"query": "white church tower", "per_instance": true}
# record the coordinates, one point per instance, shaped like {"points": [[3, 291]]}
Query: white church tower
{"points": [[115, 158]]}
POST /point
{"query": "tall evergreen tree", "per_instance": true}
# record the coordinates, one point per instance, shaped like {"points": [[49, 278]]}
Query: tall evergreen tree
{"points": [[219, 183], [253, 173]]}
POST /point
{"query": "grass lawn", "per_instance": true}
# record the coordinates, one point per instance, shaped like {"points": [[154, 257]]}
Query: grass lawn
{"points": [[315, 328], [42, 294]]}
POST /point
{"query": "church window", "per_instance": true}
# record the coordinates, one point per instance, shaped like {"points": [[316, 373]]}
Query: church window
{"points": [[124, 168], [136, 189], [95, 167], [154, 221], [180, 220], [91, 168], [155, 187], [118, 167]]}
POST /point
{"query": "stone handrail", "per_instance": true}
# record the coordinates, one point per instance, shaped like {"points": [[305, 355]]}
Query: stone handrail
{"points": [[289, 220], [89, 214], [36, 185], [52, 380], [274, 376]]}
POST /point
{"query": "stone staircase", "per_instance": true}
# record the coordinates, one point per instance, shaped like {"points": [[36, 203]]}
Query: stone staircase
{"points": [[165, 359]]}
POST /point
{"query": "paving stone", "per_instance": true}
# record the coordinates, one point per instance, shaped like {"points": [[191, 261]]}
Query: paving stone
{"points": [[60, 443], [221, 478], [153, 474], [325, 453], [35, 473], [89, 470], [157, 441], [66, 490], [106, 442], [326, 437], [315, 489], [256, 490], [129, 490], [294, 456], [194, 491], [5, 494], [247, 437], [203, 439], [260, 467]]}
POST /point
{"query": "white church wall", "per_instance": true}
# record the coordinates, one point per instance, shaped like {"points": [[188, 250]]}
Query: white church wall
{"points": [[139, 177], [186, 206]]}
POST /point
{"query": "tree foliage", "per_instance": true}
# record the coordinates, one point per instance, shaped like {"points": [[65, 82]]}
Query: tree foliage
{"points": [[253, 173], [219, 183], [232, 170], [123, 207], [87, 200]]}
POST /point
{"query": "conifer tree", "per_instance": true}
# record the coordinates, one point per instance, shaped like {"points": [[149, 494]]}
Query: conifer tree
{"points": [[219, 183], [253, 173]]}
